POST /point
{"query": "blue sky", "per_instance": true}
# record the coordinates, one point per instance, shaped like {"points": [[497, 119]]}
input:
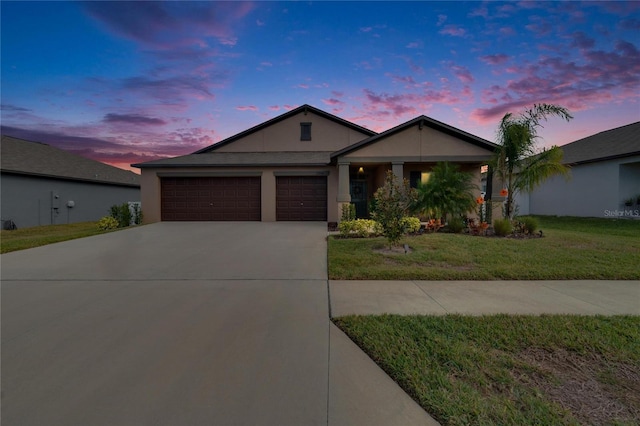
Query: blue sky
{"points": [[126, 82]]}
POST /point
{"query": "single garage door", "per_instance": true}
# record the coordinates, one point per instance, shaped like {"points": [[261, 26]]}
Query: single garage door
{"points": [[301, 198], [210, 198]]}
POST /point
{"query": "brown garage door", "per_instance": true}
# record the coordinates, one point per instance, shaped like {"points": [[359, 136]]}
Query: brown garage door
{"points": [[210, 198], [301, 198]]}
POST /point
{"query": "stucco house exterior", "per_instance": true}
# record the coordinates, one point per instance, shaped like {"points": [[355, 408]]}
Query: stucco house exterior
{"points": [[605, 171], [302, 165], [43, 185]]}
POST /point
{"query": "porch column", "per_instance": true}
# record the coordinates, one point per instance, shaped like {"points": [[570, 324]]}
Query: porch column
{"points": [[398, 169], [344, 194]]}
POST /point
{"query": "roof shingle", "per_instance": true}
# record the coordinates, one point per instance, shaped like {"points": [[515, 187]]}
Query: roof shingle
{"points": [[615, 143], [38, 159]]}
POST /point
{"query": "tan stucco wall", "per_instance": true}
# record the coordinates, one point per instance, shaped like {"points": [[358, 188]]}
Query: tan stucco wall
{"points": [[151, 188], [326, 135], [425, 143]]}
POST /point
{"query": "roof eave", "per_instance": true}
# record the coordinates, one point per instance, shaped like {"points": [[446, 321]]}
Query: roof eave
{"points": [[421, 120], [68, 178]]}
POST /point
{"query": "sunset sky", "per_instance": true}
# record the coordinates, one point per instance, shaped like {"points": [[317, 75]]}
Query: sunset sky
{"points": [[127, 82]]}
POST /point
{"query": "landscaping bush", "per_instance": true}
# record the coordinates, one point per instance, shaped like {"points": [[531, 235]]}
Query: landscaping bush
{"points": [[359, 228], [411, 225], [348, 212], [121, 213], [502, 227], [107, 223], [392, 204], [456, 225], [528, 224]]}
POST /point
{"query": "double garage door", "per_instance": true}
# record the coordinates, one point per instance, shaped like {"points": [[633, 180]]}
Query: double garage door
{"points": [[239, 198]]}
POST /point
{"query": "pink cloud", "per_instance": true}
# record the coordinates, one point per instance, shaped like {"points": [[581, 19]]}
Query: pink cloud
{"points": [[481, 11], [453, 30], [332, 102], [497, 59], [463, 74], [407, 81], [247, 108], [599, 77], [274, 108]]}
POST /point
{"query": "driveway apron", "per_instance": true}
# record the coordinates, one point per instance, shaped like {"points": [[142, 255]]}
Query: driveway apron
{"points": [[169, 324]]}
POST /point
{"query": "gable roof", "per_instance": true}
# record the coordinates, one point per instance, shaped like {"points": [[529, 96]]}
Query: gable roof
{"points": [[615, 143], [304, 108], [420, 121], [38, 159]]}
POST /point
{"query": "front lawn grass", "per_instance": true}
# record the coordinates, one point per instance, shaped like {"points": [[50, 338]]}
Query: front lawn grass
{"points": [[36, 236], [572, 248], [510, 370]]}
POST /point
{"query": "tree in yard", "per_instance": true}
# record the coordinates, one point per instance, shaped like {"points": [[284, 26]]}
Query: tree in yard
{"points": [[517, 163], [449, 193], [393, 201]]}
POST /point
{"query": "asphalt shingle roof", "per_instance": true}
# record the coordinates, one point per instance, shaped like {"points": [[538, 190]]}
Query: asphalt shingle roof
{"points": [[235, 159], [615, 143], [34, 158]]}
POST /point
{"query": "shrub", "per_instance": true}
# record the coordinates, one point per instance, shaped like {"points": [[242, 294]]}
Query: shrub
{"points": [[121, 213], [107, 223], [449, 192], [348, 212], [502, 227], [346, 227], [456, 225], [392, 204], [359, 228], [411, 225], [529, 224]]}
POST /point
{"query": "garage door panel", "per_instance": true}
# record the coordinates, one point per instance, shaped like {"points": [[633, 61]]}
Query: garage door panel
{"points": [[210, 198], [301, 198]]}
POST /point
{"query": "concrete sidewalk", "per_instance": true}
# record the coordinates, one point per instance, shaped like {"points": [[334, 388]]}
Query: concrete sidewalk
{"points": [[584, 297]]}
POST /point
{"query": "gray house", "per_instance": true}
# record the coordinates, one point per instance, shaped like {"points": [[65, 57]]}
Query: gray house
{"points": [[605, 178], [43, 185]]}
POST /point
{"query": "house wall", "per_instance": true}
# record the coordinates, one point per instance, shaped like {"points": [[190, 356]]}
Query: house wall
{"points": [[594, 190], [326, 135], [150, 181], [27, 200], [424, 144]]}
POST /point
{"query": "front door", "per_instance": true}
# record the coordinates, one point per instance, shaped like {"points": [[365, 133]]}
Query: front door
{"points": [[359, 197]]}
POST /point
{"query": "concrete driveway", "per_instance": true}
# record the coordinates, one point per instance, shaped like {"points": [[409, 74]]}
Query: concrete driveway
{"points": [[185, 323]]}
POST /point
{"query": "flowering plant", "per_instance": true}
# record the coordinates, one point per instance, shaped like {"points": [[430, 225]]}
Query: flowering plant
{"points": [[504, 192]]}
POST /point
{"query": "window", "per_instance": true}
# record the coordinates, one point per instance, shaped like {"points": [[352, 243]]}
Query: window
{"points": [[305, 131], [415, 177]]}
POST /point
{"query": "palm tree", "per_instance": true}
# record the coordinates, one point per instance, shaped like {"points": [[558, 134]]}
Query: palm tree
{"points": [[517, 162], [449, 192]]}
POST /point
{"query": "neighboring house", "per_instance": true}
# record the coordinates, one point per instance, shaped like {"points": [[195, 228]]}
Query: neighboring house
{"points": [[43, 185], [605, 171], [302, 165]]}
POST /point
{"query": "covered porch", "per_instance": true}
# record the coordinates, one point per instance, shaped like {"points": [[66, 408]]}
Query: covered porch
{"points": [[358, 181]]}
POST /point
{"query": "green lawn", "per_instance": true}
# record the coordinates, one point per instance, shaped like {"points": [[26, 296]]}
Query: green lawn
{"points": [[510, 370], [25, 238], [572, 248]]}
